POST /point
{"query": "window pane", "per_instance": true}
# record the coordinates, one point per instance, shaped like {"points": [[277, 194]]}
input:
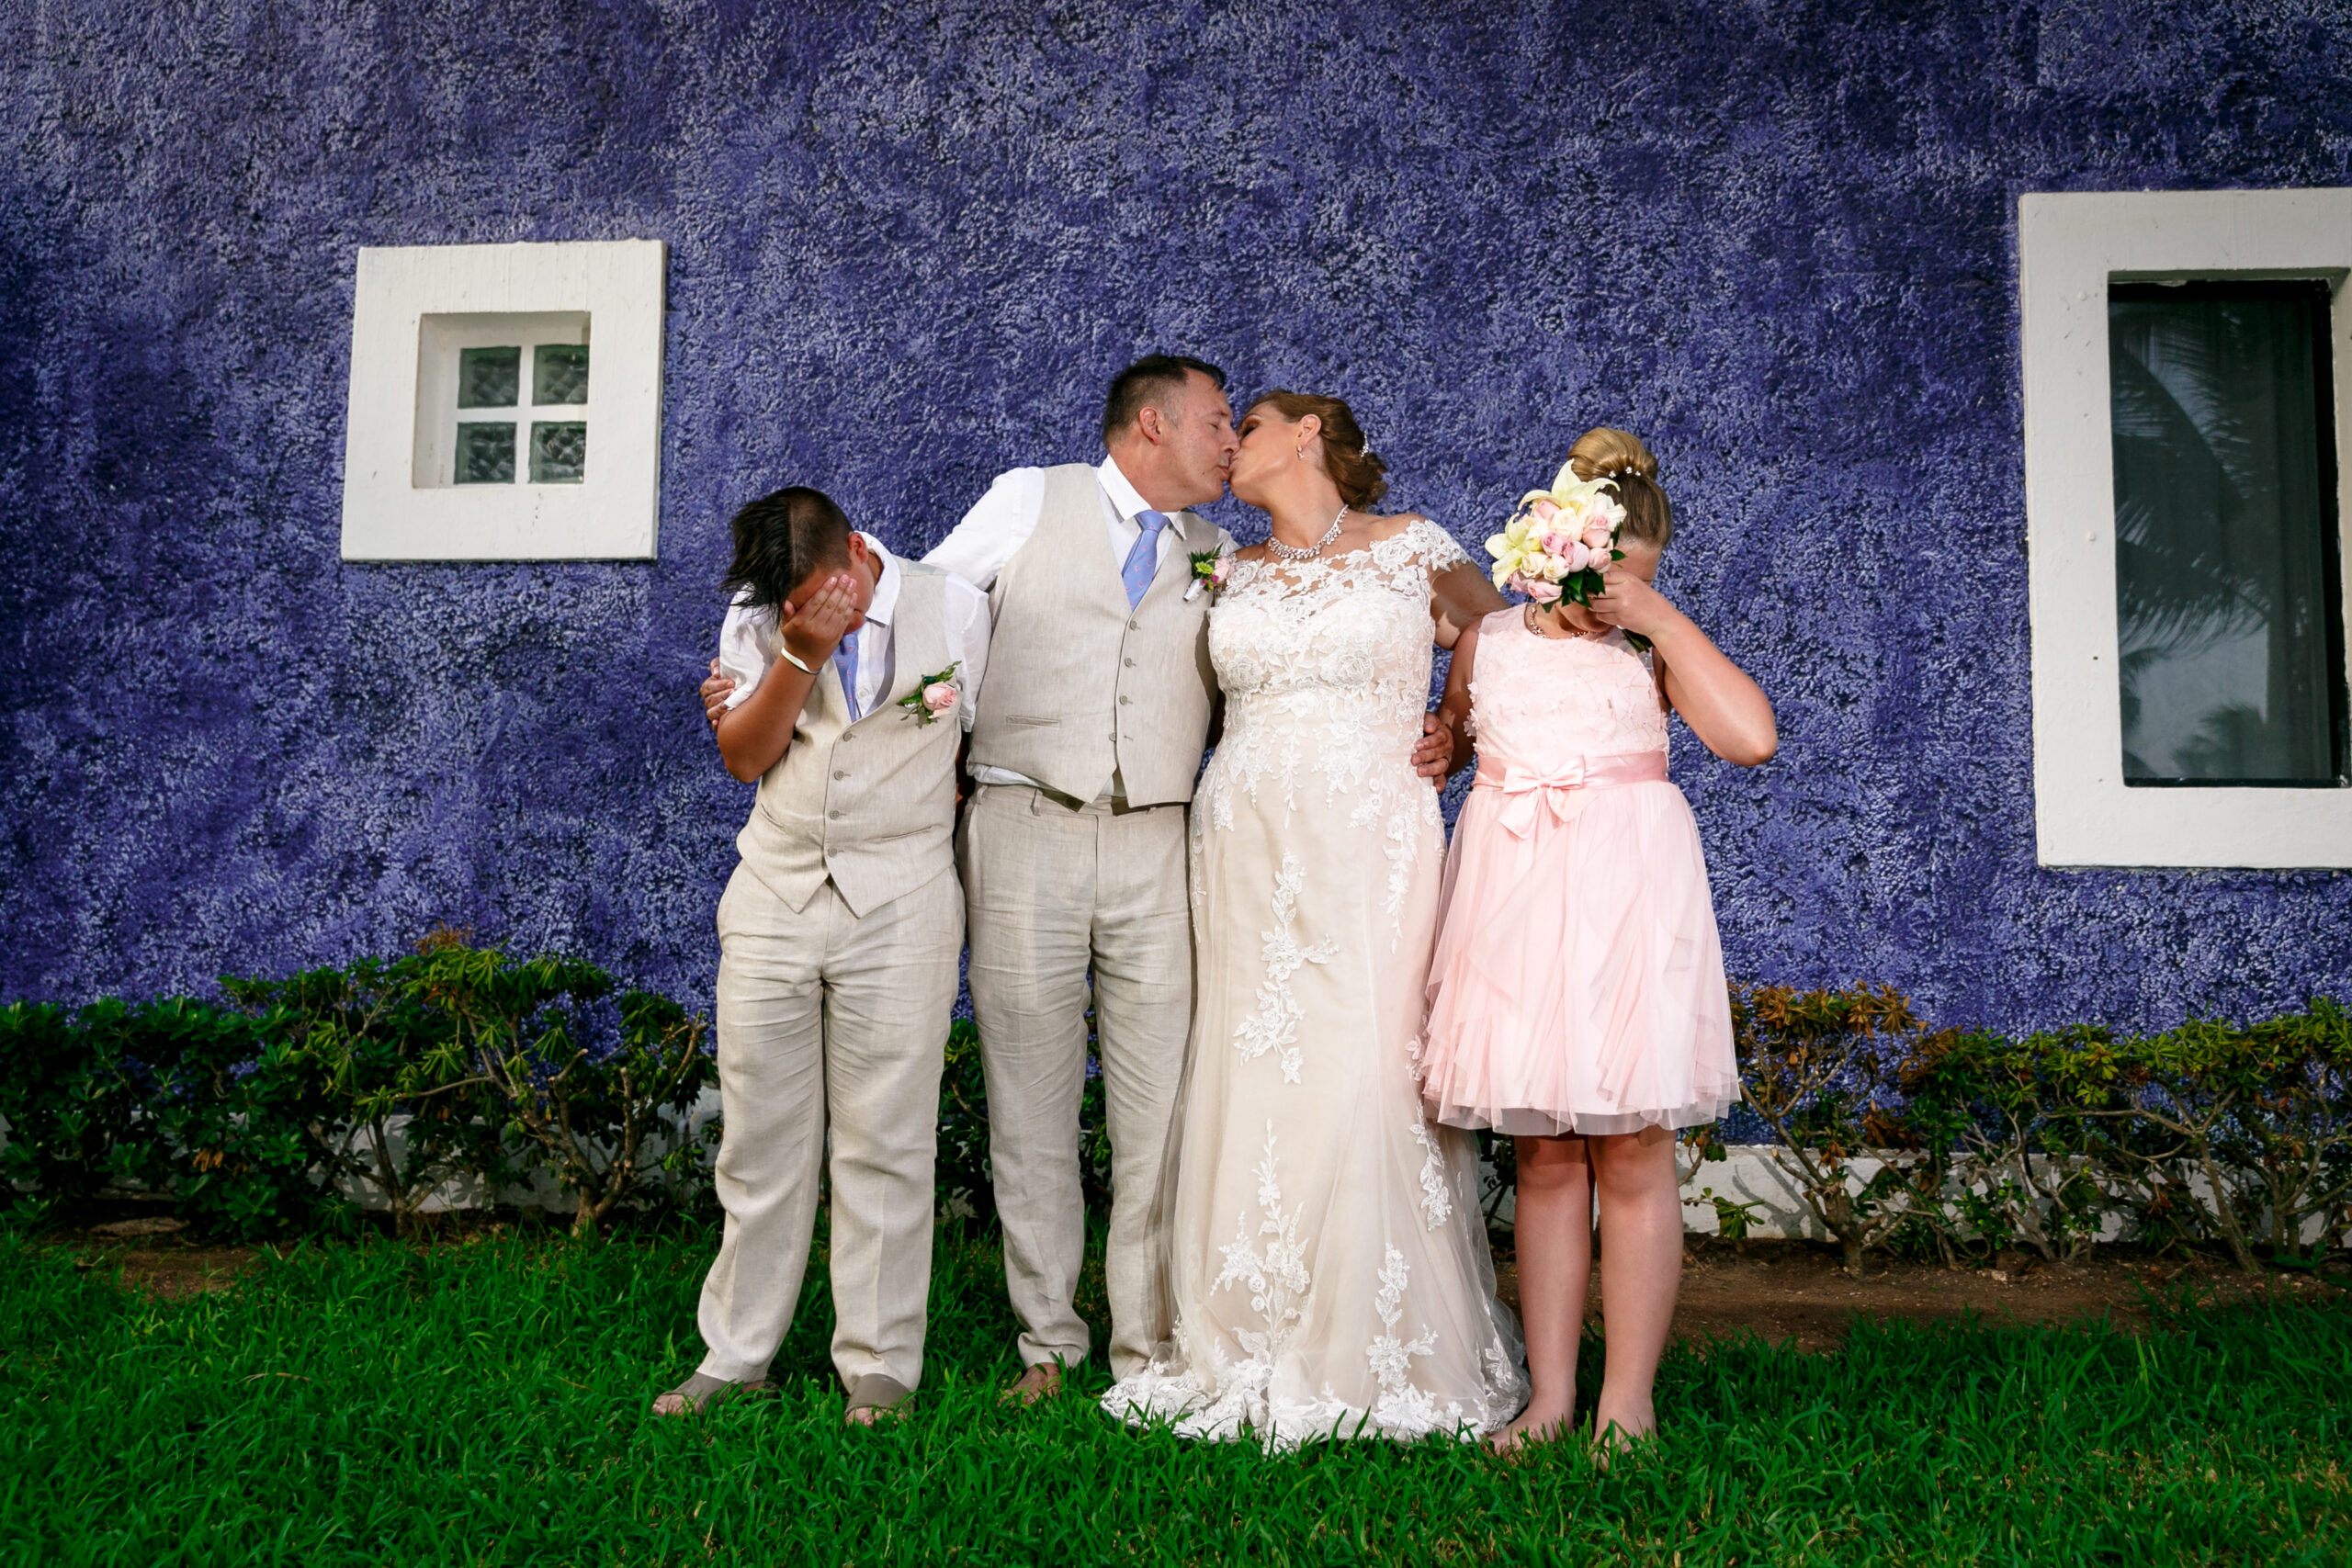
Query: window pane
{"points": [[486, 454], [2228, 615], [559, 373], [559, 453], [489, 378]]}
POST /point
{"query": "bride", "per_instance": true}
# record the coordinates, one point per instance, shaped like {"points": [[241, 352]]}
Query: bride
{"points": [[1327, 1271]]}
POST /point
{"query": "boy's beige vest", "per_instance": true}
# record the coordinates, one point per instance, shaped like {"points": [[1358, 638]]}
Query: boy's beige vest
{"points": [[870, 805], [1079, 685]]}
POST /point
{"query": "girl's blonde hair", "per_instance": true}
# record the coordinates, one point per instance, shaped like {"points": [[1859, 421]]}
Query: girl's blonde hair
{"points": [[1619, 457]]}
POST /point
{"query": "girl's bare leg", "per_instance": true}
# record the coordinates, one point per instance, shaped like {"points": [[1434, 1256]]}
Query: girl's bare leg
{"points": [[1641, 1268], [1551, 1225]]}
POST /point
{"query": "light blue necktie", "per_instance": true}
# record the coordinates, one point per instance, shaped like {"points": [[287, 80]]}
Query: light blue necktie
{"points": [[845, 663], [1144, 559]]}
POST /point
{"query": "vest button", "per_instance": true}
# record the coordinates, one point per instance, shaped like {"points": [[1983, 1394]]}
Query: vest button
{"points": [[840, 773], [1128, 662], [1123, 701], [1135, 626], [836, 811]]}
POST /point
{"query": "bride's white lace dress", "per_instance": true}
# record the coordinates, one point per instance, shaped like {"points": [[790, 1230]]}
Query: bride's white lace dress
{"points": [[1327, 1268]]}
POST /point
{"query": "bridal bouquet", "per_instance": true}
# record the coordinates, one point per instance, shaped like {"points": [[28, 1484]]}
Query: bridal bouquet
{"points": [[1557, 542]]}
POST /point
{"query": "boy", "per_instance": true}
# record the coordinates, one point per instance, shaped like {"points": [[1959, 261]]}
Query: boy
{"points": [[855, 673]]}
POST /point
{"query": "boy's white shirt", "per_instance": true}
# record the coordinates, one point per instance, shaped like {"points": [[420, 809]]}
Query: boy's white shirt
{"points": [[747, 638]]}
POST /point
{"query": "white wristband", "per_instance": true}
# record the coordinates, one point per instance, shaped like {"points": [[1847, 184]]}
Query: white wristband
{"points": [[790, 658]]}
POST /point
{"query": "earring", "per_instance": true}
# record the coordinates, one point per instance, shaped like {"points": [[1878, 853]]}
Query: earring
{"points": [[1301, 454]]}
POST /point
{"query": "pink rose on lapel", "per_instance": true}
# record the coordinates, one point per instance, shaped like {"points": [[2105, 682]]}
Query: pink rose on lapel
{"points": [[933, 695]]}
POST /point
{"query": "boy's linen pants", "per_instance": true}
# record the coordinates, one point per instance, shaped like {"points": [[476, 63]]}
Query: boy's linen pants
{"points": [[823, 1016]]}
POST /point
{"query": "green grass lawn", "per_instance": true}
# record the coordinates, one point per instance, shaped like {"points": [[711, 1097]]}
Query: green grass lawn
{"points": [[486, 1402]]}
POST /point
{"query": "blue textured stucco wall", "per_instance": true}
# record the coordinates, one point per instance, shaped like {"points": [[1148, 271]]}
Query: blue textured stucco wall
{"points": [[906, 246]]}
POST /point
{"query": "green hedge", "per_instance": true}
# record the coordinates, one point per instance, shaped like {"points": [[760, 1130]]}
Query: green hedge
{"points": [[1897, 1134], [256, 1115], [253, 1116]]}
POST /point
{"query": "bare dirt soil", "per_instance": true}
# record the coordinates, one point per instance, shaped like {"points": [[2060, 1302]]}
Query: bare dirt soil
{"points": [[1799, 1293], [1782, 1292], [154, 1257]]}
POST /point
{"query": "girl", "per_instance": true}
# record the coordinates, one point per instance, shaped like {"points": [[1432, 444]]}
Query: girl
{"points": [[1578, 988]]}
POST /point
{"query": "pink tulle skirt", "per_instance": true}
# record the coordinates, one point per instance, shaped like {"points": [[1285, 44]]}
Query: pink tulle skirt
{"points": [[1578, 985]]}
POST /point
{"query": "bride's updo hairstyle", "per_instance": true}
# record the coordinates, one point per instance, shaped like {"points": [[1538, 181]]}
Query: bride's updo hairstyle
{"points": [[1619, 457], [1348, 458]]}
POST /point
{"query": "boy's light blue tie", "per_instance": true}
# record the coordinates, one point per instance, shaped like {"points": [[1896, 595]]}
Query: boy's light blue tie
{"points": [[1144, 559], [845, 663]]}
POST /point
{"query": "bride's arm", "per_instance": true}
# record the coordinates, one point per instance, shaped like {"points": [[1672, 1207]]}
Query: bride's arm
{"points": [[1460, 597], [1453, 708]]}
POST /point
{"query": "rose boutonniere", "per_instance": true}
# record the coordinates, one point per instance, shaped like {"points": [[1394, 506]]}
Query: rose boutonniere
{"points": [[1211, 570], [934, 696]]}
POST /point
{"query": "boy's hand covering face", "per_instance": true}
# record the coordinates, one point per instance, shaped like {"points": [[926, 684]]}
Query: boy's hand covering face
{"points": [[815, 626]]}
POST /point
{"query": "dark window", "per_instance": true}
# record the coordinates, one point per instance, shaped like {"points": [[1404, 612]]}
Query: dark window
{"points": [[2229, 593], [486, 453]]}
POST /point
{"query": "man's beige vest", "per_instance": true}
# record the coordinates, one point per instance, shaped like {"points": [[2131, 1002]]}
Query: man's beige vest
{"points": [[1079, 685], [870, 805]]}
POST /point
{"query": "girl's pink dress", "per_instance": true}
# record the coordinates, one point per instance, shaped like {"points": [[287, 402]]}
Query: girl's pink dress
{"points": [[1578, 985]]}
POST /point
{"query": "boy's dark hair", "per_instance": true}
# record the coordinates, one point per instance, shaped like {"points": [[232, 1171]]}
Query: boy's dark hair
{"points": [[1133, 389], [780, 539]]}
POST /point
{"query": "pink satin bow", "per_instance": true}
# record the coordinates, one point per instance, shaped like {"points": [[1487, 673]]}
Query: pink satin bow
{"points": [[1526, 791]]}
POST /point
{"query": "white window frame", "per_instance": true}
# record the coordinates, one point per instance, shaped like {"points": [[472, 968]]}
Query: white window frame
{"points": [[412, 306], [2070, 247]]}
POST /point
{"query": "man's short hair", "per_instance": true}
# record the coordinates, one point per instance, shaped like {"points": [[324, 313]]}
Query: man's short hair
{"points": [[1153, 375], [780, 539]]}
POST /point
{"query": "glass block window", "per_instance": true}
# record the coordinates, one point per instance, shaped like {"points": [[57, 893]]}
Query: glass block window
{"points": [[2230, 655], [559, 453], [486, 452], [490, 381], [489, 378], [560, 374]]}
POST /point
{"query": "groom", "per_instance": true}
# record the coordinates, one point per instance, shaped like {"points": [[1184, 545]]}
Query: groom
{"points": [[1085, 743]]}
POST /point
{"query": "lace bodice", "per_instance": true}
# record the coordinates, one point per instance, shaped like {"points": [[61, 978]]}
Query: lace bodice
{"points": [[1538, 701], [1324, 666]]}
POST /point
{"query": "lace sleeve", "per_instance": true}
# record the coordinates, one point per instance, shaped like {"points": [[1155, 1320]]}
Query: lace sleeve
{"points": [[1436, 548]]}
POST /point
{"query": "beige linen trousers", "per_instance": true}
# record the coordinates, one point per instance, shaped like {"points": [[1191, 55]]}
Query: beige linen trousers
{"points": [[825, 1017], [1055, 887]]}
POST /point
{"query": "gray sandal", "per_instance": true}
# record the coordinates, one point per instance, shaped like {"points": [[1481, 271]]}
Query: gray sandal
{"points": [[876, 1391], [700, 1390]]}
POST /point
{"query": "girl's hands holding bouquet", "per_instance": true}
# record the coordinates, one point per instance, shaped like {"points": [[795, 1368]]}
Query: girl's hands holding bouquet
{"points": [[1628, 602]]}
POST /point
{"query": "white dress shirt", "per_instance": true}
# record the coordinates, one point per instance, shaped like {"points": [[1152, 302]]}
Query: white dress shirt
{"points": [[1001, 522], [748, 643]]}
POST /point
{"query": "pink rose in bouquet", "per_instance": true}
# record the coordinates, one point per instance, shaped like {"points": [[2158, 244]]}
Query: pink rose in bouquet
{"points": [[1560, 540]]}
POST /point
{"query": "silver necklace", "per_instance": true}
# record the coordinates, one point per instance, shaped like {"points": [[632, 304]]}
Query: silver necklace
{"points": [[1281, 551]]}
